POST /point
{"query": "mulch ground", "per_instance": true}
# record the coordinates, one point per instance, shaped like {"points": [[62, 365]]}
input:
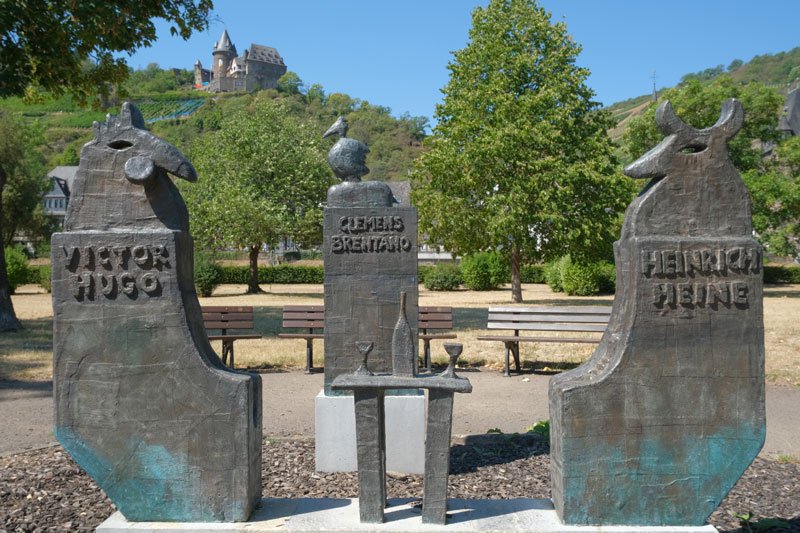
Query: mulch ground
{"points": [[44, 490]]}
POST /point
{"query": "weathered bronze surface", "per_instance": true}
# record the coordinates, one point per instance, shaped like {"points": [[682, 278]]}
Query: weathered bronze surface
{"points": [[369, 390], [370, 255], [142, 402], [667, 414]]}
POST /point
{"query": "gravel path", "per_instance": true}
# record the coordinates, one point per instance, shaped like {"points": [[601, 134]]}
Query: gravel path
{"points": [[44, 490]]}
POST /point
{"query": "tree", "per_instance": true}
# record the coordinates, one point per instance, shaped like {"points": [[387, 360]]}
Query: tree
{"points": [[26, 181], [46, 45], [290, 83], [699, 104], [519, 161], [263, 177]]}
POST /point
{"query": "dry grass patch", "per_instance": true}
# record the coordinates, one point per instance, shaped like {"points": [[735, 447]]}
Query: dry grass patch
{"points": [[28, 355]]}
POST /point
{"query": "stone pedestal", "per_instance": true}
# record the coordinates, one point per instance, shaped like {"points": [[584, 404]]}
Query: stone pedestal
{"points": [[335, 433], [341, 516]]}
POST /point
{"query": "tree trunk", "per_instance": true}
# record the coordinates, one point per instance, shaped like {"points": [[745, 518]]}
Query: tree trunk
{"points": [[8, 319], [516, 277], [252, 285]]}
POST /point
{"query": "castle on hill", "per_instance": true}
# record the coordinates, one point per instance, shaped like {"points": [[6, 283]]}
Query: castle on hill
{"points": [[259, 67]]}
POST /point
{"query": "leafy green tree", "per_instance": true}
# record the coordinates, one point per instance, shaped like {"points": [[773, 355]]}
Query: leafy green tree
{"points": [[22, 184], [27, 182], [290, 83], [520, 160], [699, 104], [44, 44], [263, 177]]}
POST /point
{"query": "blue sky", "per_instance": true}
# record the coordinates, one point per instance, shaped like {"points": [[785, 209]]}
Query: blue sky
{"points": [[395, 53]]}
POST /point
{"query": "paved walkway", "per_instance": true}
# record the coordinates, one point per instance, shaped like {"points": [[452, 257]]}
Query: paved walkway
{"points": [[510, 404]]}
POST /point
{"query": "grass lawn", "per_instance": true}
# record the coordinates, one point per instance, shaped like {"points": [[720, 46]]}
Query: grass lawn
{"points": [[28, 355]]}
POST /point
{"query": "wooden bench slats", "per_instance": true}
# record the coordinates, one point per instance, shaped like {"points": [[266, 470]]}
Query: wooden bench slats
{"points": [[507, 317], [233, 324], [428, 309], [436, 336], [301, 335], [537, 339], [569, 309], [304, 308], [227, 309], [227, 317], [439, 324], [298, 315], [234, 337], [599, 328], [297, 323], [438, 317]]}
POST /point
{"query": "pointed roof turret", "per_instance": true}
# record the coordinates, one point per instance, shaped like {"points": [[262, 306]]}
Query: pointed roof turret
{"points": [[224, 44]]}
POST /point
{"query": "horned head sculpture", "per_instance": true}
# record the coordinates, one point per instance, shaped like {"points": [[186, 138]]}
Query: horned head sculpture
{"points": [[123, 178], [694, 188]]}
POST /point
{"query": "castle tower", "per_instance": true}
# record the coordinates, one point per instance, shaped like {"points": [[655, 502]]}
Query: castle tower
{"points": [[198, 74], [224, 53]]}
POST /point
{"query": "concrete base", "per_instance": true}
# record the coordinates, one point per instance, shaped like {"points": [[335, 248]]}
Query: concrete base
{"points": [[341, 515], [335, 433]]}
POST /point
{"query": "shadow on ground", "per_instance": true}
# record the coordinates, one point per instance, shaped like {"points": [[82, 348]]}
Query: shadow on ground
{"points": [[494, 449]]}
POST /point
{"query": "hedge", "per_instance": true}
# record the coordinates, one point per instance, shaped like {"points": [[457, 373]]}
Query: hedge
{"points": [[285, 274], [781, 274]]}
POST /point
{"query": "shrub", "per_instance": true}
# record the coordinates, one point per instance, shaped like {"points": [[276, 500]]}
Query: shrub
{"points": [[781, 274], [291, 256], [207, 274], [17, 267], [282, 274], [533, 273], [577, 279], [552, 273], [45, 277], [484, 271], [443, 277], [580, 280], [607, 277]]}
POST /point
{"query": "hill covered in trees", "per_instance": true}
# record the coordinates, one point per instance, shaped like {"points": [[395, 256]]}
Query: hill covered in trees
{"points": [[179, 113], [780, 71]]}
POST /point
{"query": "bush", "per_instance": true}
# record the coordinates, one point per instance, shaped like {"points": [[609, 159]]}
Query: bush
{"points": [[781, 274], [291, 256], [484, 271], [17, 267], [552, 273], [578, 279], [206, 274], [45, 277], [533, 273], [443, 277], [282, 274]]}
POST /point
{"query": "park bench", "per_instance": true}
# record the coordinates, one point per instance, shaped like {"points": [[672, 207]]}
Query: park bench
{"points": [[312, 318], [569, 319], [225, 318], [437, 318]]}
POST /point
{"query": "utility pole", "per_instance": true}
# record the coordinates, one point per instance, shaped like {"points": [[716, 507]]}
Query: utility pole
{"points": [[655, 93]]}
